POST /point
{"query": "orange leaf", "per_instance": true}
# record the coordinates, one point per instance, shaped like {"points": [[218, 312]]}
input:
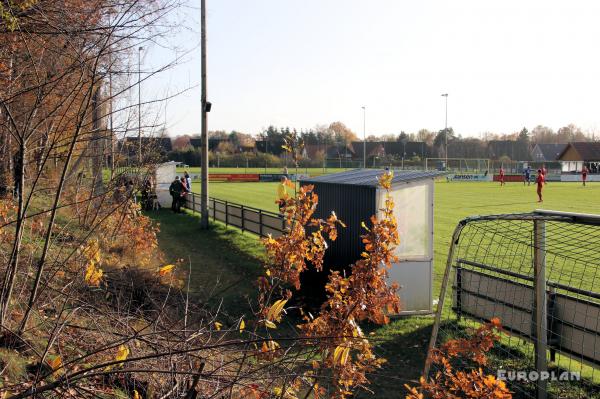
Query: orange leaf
{"points": [[163, 271]]}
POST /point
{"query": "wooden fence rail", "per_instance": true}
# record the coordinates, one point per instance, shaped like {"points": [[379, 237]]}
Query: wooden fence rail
{"points": [[247, 218]]}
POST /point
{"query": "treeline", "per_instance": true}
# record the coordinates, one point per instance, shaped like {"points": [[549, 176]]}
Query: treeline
{"points": [[338, 141]]}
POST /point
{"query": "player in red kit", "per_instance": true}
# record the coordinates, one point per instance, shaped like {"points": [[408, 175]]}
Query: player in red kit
{"points": [[584, 173], [502, 176], [540, 184], [544, 172]]}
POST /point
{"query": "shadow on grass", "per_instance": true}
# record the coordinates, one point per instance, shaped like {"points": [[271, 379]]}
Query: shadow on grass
{"points": [[403, 343], [224, 262]]}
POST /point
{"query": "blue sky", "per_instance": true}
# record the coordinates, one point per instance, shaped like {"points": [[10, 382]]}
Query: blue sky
{"points": [[505, 64]]}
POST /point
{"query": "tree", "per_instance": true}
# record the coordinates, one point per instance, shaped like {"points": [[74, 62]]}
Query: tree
{"points": [[342, 134], [181, 142], [524, 136], [440, 140], [542, 134], [426, 136], [570, 133]]}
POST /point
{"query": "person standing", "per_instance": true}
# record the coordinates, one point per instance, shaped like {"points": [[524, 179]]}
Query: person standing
{"points": [[540, 184], [183, 196], [501, 176], [188, 180], [282, 194], [584, 173], [527, 175], [175, 191], [544, 172]]}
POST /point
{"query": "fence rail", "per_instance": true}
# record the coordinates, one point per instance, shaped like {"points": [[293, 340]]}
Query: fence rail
{"points": [[247, 218]]}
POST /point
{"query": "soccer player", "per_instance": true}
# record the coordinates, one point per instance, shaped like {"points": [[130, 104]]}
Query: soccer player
{"points": [[584, 173], [527, 176], [544, 172], [540, 184], [502, 176]]}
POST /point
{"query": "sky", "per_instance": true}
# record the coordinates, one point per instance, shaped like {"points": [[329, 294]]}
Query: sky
{"points": [[505, 65]]}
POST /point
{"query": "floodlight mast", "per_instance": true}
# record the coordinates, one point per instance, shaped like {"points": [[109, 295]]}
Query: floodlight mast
{"points": [[446, 132], [364, 108], [205, 109]]}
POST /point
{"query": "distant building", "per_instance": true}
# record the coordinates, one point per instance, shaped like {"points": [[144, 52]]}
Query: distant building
{"points": [[515, 150], [577, 154], [409, 150], [340, 152], [314, 151], [269, 146], [157, 146], [395, 149], [213, 144], [547, 152], [374, 149]]}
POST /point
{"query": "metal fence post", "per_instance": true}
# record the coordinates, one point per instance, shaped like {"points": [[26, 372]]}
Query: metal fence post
{"points": [[193, 202], [243, 228], [458, 291], [540, 303], [214, 209], [260, 223], [226, 214]]}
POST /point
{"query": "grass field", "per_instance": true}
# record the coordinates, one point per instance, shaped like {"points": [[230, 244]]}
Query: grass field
{"points": [[453, 202], [230, 260], [311, 171]]}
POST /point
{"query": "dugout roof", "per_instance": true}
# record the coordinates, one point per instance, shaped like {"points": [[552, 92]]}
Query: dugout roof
{"points": [[368, 177]]}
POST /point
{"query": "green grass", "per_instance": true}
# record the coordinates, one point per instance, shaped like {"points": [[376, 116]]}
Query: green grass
{"points": [[453, 202], [311, 171], [223, 261], [404, 341]]}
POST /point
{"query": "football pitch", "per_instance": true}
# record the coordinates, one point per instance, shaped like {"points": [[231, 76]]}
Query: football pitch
{"points": [[453, 202]]}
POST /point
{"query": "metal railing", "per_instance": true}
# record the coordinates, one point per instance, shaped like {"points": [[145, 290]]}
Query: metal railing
{"points": [[247, 218]]}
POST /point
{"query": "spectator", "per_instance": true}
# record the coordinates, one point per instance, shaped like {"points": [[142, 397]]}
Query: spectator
{"points": [[175, 190], [188, 181], [184, 191]]}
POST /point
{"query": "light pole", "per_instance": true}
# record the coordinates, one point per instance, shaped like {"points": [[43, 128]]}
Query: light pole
{"points": [[205, 109], [446, 131], [364, 108], [140, 49]]}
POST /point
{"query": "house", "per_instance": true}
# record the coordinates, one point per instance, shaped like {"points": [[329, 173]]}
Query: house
{"points": [[314, 151], [409, 149], [515, 150], [150, 145], [577, 154], [374, 149], [547, 152], [269, 146], [213, 144], [340, 152]]}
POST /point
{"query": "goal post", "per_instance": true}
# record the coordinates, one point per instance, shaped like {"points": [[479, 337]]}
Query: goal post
{"points": [[539, 273]]}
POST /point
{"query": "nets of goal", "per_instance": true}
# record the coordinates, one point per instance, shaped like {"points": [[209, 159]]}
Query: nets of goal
{"points": [[539, 273]]}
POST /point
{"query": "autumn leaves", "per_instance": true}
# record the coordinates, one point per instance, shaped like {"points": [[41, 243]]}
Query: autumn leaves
{"points": [[339, 344]]}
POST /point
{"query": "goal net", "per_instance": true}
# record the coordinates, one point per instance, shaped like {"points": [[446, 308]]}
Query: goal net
{"points": [[539, 273]]}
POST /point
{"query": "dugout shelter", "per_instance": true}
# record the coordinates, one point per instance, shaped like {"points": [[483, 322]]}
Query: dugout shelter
{"points": [[355, 196], [164, 174]]}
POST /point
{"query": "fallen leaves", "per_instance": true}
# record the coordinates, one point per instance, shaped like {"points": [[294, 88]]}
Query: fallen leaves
{"points": [[167, 269]]}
